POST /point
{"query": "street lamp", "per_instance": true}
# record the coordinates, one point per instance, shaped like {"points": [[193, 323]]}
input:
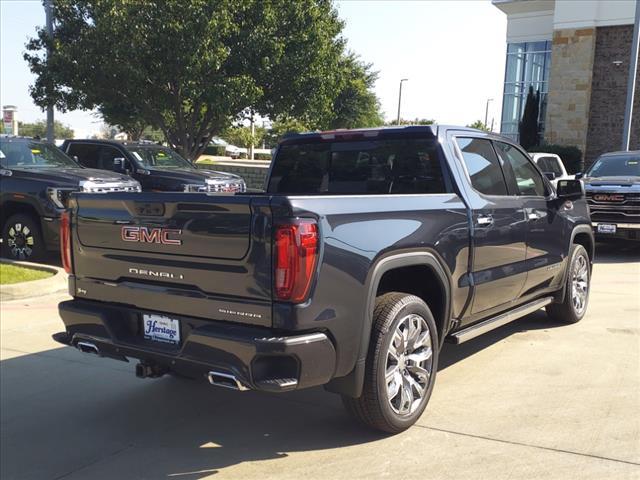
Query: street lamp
{"points": [[486, 111], [400, 98]]}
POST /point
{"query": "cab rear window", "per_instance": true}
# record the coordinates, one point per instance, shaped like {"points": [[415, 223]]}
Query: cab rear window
{"points": [[364, 167]]}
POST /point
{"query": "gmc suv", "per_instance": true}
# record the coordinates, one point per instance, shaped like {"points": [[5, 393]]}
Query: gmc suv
{"points": [[369, 249]]}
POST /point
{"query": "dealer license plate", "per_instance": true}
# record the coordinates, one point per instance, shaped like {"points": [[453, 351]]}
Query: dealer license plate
{"points": [[161, 329], [606, 228]]}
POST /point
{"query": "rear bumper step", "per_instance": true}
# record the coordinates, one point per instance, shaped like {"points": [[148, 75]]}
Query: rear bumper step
{"points": [[484, 326], [233, 356]]}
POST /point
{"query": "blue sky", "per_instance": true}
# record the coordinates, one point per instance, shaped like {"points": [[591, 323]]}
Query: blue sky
{"points": [[452, 52]]}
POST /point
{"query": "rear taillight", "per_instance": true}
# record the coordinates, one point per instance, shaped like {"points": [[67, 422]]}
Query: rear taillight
{"points": [[296, 254], [65, 241]]}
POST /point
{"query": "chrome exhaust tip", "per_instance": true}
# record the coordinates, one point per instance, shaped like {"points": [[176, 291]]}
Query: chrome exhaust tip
{"points": [[87, 347], [226, 380]]}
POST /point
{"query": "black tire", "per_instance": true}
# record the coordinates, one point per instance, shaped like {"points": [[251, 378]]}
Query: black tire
{"points": [[374, 408], [570, 310], [22, 238]]}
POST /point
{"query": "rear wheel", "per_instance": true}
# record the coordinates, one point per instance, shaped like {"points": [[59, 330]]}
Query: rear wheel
{"points": [[576, 297], [22, 239], [401, 364]]}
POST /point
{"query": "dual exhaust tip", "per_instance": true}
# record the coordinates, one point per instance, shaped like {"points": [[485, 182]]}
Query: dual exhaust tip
{"points": [[226, 380], [218, 379]]}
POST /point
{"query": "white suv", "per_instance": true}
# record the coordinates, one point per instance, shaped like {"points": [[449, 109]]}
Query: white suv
{"points": [[552, 166]]}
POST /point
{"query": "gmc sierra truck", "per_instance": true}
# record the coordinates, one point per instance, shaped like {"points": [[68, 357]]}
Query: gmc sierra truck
{"points": [[366, 251], [613, 193], [36, 179]]}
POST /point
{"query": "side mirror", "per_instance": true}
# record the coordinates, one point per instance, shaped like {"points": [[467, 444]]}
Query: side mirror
{"points": [[75, 157], [119, 164], [550, 175], [570, 189], [579, 175]]}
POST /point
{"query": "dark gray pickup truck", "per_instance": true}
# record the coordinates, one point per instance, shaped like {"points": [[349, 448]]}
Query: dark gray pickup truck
{"points": [[366, 252]]}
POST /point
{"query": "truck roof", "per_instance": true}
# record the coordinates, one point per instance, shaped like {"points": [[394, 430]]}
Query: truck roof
{"points": [[388, 131]]}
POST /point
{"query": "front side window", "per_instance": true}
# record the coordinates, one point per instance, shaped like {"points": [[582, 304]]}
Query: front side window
{"points": [[25, 154], [86, 153], [364, 167], [618, 166], [527, 178], [158, 157], [483, 166]]}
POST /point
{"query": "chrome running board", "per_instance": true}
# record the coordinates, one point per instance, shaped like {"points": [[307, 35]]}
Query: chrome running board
{"points": [[484, 326]]}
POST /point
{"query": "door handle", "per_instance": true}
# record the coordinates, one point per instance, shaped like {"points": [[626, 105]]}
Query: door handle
{"points": [[484, 220]]}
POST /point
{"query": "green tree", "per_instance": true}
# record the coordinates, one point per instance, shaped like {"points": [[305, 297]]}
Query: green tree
{"points": [[282, 126], [241, 136], [39, 129], [189, 68], [528, 127], [355, 106], [479, 124]]}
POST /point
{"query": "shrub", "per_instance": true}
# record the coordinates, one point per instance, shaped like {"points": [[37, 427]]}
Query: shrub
{"points": [[571, 155], [262, 156], [215, 150]]}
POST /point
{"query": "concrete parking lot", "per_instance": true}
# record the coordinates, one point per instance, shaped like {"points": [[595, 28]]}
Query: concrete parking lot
{"points": [[529, 400]]}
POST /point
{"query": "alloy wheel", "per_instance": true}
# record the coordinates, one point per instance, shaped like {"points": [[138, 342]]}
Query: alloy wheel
{"points": [[409, 365], [580, 284], [20, 241]]}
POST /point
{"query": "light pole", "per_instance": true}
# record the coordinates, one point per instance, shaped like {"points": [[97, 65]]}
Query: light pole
{"points": [[400, 99], [48, 7], [631, 83], [486, 111]]}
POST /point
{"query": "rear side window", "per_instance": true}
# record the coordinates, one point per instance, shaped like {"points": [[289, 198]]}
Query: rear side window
{"points": [[528, 179], [483, 166], [549, 164], [364, 167]]}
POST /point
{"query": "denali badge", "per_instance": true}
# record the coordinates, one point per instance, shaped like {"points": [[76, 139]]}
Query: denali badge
{"points": [[150, 235], [155, 273], [605, 197]]}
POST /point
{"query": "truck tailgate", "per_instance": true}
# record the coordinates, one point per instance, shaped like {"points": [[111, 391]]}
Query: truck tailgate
{"points": [[184, 253]]}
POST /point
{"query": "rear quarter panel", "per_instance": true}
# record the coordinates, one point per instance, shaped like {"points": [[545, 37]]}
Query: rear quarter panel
{"points": [[356, 232]]}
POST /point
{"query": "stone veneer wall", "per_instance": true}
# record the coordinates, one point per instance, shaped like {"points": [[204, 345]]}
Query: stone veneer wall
{"points": [[609, 93], [570, 86]]}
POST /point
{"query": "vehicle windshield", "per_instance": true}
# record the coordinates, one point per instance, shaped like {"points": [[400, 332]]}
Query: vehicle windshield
{"points": [[26, 154], [616, 166], [361, 167], [159, 157]]}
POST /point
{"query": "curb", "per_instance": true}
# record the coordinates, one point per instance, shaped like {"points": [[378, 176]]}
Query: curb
{"points": [[34, 288]]}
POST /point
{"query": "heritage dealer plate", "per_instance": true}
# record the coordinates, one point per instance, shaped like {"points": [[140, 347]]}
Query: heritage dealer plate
{"points": [[161, 329], [606, 228]]}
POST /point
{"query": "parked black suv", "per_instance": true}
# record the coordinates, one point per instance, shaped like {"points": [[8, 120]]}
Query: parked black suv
{"points": [[368, 249], [36, 179], [613, 192], [157, 168]]}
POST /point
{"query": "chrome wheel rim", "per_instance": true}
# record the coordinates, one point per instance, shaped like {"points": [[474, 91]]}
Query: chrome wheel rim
{"points": [[20, 241], [580, 284], [408, 365]]}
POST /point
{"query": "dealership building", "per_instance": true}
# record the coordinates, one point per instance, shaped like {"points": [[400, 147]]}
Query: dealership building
{"points": [[576, 53]]}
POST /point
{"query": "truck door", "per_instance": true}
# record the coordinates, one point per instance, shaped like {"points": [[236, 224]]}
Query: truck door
{"points": [[546, 235], [499, 229]]}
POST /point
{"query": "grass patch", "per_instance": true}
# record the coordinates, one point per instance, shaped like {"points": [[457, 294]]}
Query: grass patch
{"points": [[13, 274]]}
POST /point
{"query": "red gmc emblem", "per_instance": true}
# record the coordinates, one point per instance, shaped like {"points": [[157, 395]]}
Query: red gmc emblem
{"points": [[151, 235], [604, 197]]}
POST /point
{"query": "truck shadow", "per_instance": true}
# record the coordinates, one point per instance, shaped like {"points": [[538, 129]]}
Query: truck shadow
{"points": [[63, 412], [617, 252]]}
